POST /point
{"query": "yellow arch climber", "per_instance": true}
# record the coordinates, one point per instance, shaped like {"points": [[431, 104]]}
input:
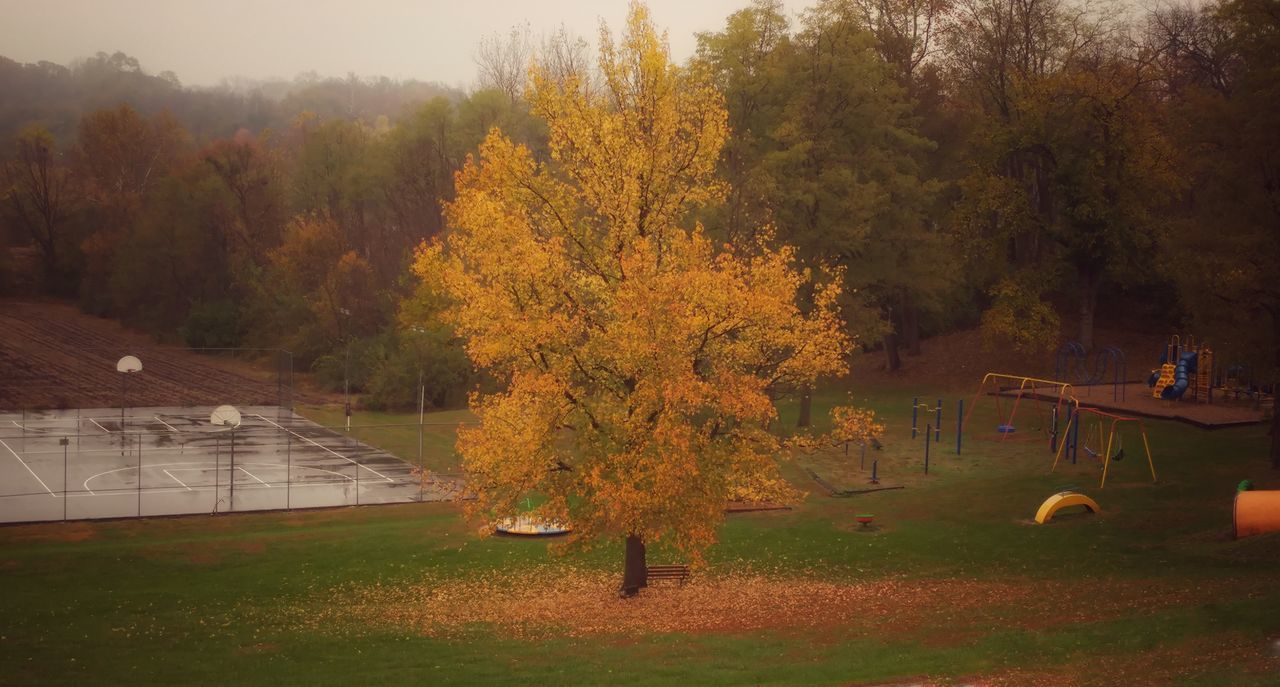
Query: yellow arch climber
{"points": [[1064, 499]]}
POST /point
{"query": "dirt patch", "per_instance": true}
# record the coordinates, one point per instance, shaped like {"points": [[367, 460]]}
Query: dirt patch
{"points": [[54, 356], [54, 532], [1163, 666]]}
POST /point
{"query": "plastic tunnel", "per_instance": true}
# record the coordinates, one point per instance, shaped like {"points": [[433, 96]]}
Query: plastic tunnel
{"points": [[1256, 512], [1181, 379]]}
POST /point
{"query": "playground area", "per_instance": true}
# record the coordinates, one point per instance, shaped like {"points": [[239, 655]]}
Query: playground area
{"points": [[1135, 399], [1187, 382], [108, 463]]}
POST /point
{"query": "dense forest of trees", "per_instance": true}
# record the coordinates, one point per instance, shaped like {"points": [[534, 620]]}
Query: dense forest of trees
{"points": [[962, 161]]}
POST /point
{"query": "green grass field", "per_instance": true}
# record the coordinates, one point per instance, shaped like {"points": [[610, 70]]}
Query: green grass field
{"points": [[953, 585]]}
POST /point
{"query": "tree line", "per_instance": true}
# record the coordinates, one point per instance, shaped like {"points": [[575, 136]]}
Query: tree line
{"points": [[298, 237], [986, 160]]}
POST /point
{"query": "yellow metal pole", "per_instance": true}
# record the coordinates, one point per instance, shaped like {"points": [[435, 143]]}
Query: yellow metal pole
{"points": [[1065, 390], [1106, 460], [1147, 446], [1066, 438]]}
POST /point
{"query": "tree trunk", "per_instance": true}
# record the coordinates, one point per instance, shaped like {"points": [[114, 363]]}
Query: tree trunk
{"points": [[910, 325], [891, 349], [1275, 439], [1089, 283], [634, 571], [806, 407], [1275, 420]]}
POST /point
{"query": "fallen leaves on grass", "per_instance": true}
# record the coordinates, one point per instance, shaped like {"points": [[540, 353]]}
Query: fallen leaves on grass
{"points": [[567, 602]]}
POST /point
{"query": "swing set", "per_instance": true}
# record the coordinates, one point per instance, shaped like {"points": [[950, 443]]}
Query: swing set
{"points": [[1103, 424], [1046, 426]]}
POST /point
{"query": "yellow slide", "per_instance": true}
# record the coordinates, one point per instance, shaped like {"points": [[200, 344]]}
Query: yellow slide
{"points": [[1064, 499]]}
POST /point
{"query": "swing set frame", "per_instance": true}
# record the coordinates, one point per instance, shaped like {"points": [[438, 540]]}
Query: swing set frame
{"points": [[1071, 439], [1065, 398]]}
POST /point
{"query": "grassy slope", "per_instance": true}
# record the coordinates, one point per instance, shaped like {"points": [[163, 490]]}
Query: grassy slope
{"points": [[197, 600]]}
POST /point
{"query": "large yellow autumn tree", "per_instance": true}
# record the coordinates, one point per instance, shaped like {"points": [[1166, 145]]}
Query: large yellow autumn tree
{"points": [[638, 356]]}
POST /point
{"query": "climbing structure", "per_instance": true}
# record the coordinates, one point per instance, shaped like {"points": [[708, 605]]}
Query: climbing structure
{"points": [[1204, 377], [1183, 367], [1164, 381]]}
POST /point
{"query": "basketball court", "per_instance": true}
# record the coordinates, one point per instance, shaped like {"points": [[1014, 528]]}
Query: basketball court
{"points": [[105, 463]]}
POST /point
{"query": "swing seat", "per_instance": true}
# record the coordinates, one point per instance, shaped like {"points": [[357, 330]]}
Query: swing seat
{"points": [[1006, 429], [1119, 456]]}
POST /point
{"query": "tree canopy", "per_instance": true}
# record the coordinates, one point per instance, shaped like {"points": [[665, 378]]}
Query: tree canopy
{"points": [[637, 355]]}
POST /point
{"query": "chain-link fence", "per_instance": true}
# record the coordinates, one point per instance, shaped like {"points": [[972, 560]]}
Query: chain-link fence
{"points": [[102, 463]]}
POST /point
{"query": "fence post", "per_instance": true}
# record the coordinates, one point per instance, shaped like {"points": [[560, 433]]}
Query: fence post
{"points": [[959, 424], [422, 467], [926, 449], [915, 409], [217, 471], [288, 470], [122, 436], [65, 442], [231, 499], [862, 462], [937, 427]]}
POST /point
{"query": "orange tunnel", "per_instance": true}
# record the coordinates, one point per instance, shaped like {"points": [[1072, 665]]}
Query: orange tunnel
{"points": [[1257, 512]]}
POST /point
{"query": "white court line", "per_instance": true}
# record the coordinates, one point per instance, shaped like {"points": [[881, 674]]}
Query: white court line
{"points": [[205, 463], [99, 426], [358, 466], [166, 424], [129, 492], [85, 451], [184, 484], [251, 475], [28, 467], [28, 427]]}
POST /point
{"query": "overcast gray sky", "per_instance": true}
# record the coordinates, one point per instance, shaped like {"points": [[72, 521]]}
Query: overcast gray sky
{"points": [[433, 40]]}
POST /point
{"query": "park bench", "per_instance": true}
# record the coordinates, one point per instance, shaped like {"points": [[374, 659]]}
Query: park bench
{"points": [[679, 573]]}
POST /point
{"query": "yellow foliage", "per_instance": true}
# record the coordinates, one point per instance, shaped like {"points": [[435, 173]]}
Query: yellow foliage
{"points": [[1019, 317], [638, 357], [856, 425]]}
